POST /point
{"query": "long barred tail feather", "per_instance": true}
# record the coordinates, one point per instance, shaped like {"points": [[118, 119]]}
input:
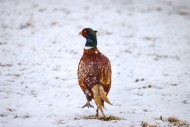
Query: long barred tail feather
{"points": [[100, 97]]}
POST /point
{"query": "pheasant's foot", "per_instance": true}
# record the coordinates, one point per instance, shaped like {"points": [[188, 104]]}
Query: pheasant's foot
{"points": [[88, 105]]}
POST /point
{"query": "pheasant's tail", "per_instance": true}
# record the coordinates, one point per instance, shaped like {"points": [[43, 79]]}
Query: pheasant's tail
{"points": [[100, 97]]}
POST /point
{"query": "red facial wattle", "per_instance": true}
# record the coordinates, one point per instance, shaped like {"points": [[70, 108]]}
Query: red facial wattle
{"points": [[84, 33]]}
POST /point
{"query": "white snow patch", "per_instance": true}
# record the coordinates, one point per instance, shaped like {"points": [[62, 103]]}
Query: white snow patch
{"points": [[146, 41]]}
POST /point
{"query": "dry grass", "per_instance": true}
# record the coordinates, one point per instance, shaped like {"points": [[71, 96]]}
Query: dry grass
{"points": [[107, 118], [145, 124], [174, 121]]}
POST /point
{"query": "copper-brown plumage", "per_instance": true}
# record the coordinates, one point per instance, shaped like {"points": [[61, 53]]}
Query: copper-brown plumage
{"points": [[94, 77]]}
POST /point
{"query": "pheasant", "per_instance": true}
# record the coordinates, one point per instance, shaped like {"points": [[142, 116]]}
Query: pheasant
{"points": [[94, 72]]}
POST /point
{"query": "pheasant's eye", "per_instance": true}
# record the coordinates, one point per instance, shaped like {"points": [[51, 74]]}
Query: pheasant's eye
{"points": [[84, 32]]}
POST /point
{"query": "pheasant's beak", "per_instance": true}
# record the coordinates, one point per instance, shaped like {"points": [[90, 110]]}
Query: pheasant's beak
{"points": [[80, 33]]}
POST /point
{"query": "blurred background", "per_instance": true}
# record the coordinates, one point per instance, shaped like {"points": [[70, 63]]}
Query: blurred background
{"points": [[147, 42]]}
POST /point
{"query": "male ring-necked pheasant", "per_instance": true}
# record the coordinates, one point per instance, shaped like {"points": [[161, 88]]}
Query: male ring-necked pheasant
{"points": [[94, 72]]}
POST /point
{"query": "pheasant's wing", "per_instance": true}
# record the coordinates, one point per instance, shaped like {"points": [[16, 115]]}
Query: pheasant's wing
{"points": [[101, 91], [105, 76], [81, 75]]}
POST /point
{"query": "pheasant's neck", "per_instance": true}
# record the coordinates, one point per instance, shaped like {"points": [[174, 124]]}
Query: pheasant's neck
{"points": [[91, 41], [87, 47], [91, 51]]}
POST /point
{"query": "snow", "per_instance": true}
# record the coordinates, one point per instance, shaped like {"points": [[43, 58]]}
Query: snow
{"points": [[40, 49]]}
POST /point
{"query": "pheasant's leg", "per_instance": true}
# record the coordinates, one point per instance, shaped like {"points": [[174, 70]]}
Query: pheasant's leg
{"points": [[88, 105], [89, 98], [97, 114], [102, 112]]}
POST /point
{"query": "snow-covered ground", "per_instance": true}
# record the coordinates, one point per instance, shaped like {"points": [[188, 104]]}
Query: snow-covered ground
{"points": [[40, 49]]}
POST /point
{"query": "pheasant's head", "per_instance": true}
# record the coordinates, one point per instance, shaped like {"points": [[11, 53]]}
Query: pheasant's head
{"points": [[90, 35]]}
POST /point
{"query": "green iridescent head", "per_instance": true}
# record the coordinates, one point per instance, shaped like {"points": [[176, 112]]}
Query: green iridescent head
{"points": [[90, 35]]}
